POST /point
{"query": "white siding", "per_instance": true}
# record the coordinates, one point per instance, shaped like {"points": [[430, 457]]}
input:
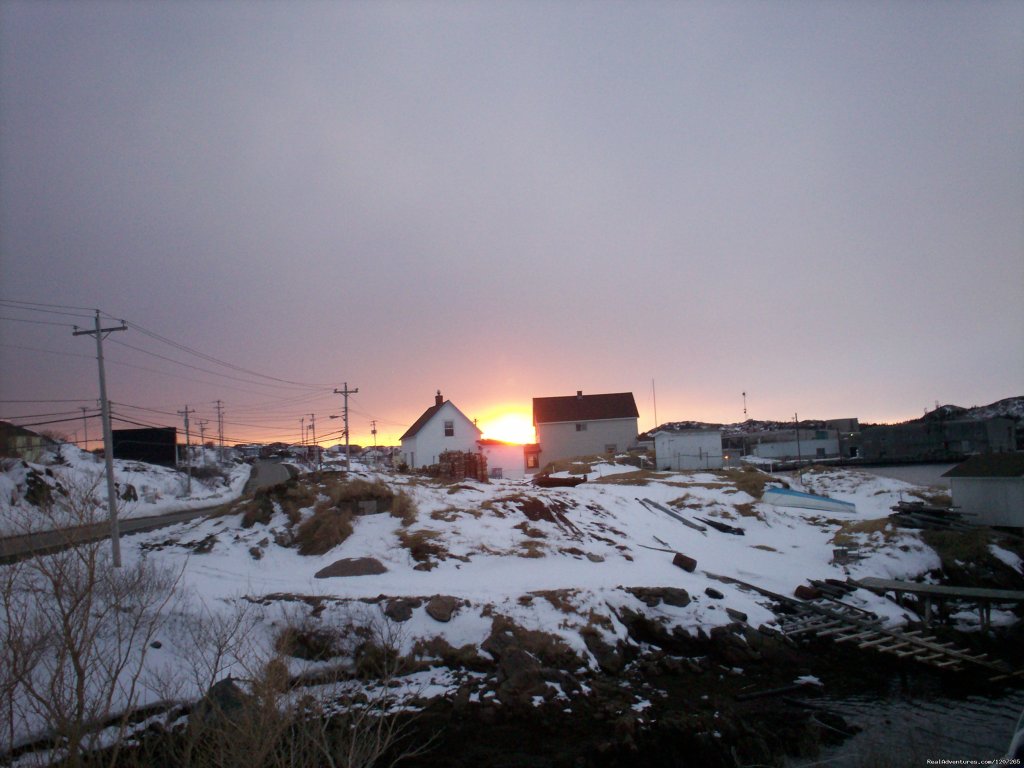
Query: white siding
{"points": [[688, 450], [423, 448], [990, 500], [806, 449], [508, 457], [561, 440]]}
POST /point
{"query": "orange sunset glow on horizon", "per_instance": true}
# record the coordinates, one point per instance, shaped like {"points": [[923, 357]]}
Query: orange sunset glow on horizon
{"points": [[508, 426]]}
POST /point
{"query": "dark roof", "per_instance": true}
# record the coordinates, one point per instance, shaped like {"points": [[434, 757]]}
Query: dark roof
{"points": [[422, 420], [620, 405], [990, 465]]}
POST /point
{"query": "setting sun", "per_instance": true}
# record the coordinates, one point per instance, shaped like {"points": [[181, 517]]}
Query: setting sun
{"points": [[509, 427]]}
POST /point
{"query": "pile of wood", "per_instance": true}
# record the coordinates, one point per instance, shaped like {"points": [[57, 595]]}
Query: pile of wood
{"points": [[461, 465], [917, 514]]}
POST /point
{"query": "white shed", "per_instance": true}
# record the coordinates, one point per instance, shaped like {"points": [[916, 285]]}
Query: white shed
{"points": [[442, 427], [990, 488], [688, 449]]}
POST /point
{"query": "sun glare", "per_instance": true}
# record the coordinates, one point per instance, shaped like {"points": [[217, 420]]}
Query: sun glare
{"points": [[509, 428]]}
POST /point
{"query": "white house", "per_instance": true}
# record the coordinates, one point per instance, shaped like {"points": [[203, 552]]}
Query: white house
{"points": [[510, 461], [584, 425], [990, 488], [688, 449], [442, 427]]}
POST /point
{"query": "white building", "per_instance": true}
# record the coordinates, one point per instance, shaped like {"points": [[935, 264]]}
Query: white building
{"points": [[442, 427], [584, 425], [990, 488], [509, 461], [688, 449]]}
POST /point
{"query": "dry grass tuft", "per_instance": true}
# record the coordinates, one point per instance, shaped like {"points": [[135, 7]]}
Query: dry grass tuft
{"points": [[848, 530], [422, 545], [531, 549], [962, 546], [323, 531], [404, 508]]}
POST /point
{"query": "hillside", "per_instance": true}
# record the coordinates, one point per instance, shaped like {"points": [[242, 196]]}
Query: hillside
{"points": [[505, 601], [1007, 408]]}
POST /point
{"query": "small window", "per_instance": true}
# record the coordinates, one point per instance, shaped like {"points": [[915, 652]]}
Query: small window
{"points": [[532, 461], [496, 473], [449, 429], [581, 427], [610, 448]]}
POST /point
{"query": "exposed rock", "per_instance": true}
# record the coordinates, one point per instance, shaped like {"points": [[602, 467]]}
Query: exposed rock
{"points": [[442, 607], [688, 564], [713, 593], [652, 596], [352, 566], [256, 553], [401, 608], [594, 558], [609, 658]]}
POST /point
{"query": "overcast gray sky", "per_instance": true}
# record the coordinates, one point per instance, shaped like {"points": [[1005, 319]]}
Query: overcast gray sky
{"points": [[820, 204]]}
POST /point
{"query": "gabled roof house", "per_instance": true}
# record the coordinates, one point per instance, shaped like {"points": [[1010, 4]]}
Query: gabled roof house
{"points": [[582, 425], [442, 427]]}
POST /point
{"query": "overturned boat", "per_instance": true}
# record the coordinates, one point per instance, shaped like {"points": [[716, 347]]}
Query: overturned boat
{"points": [[783, 497]]}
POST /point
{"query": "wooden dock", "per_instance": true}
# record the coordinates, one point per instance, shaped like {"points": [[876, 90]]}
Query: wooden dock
{"points": [[827, 616], [932, 594], [830, 618]]}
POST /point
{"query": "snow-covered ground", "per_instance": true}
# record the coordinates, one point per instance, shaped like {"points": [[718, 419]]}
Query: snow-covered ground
{"points": [[564, 561], [144, 490]]}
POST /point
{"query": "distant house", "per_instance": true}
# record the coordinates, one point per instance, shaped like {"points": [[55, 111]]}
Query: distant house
{"points": [[583, 425], [688, 449], [990, 488], [442, 427], [509, 461]]}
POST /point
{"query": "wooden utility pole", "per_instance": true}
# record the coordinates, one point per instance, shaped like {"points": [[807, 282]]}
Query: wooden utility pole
{"points": [[108, 437], [345, 392], [188, 447]]}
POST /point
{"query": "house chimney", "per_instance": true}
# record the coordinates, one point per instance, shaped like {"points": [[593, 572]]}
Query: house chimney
{"points": [[438, 400], [579, 394]]}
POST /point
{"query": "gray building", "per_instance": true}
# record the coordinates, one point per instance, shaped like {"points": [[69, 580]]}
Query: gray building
{"points": [[990, 488], [937, 440]]}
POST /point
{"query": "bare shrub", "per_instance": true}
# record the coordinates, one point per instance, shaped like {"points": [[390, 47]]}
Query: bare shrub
{"points": [[76, 634]]}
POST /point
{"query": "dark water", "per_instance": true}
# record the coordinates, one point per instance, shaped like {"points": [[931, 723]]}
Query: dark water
{"points": [[901, 729]]}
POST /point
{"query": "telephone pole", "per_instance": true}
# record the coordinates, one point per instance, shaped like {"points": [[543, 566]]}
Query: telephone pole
{"points": [[85, 423], [188, 447], [108, 437], [345, 392], [316, 448], [202, 437], [220, 431], [373, 431]]}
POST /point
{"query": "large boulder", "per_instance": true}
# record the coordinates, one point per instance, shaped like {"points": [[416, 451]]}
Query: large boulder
{"points": [[352, 566]]}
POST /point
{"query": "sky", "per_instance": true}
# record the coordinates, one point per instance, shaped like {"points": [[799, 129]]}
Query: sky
{"points": [[818, 204]]}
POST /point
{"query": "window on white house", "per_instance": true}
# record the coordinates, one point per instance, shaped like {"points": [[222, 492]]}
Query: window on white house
{"points": [[532, 461], [610, 448], [449, 429], [581, 427]]}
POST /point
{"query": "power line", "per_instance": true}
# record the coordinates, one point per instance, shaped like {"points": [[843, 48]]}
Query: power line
{"points": [[35, 306], [34, 322], [217, 361]]}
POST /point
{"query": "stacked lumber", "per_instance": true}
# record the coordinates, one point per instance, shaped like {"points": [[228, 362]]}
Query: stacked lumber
{"points": [[917, 514]]}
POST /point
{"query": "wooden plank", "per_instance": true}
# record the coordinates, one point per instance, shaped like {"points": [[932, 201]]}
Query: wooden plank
{"points": [[858, 636]]}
